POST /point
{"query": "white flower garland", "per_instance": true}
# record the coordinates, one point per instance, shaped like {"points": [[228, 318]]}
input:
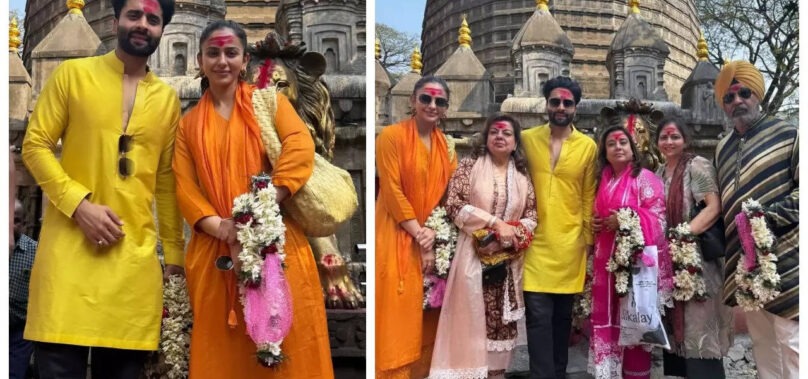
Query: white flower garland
{"points": [[445, 240], [762, 284], [171, 360], [582, 302], [629, 245], [260, 231], [688, 277]]}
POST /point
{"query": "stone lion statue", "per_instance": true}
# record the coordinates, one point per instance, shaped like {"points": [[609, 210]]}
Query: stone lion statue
{"points": [[296, 73], [640, 119]]}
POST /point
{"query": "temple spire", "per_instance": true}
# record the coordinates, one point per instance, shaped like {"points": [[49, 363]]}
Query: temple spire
{"points": [[634, 6], [75, 6], [703, 53], [13, 36], [378, 49], [415, 60], [465, 33], [542, 5]]}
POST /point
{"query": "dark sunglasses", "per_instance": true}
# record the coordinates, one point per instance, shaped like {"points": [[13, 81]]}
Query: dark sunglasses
{"points": [[125, 165], [224, 263], [555, 102], [744, 93], [439, 101]]}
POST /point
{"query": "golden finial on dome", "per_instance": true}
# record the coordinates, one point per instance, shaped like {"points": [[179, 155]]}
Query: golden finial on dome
{"points": [[378, 49], [635, 6], [702, 48], [415, 60], [75, 6], [13, 36], [465, 33], [542, 5]]}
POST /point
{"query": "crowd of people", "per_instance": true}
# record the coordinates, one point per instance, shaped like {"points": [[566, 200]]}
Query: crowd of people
{"points": [[568, 190]]}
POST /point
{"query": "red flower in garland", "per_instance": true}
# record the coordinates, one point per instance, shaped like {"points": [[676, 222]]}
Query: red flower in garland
{"points": [[271, 249], [243, 218]]}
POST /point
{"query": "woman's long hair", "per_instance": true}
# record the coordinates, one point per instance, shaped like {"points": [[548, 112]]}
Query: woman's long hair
{"points": [[480, 147], [603, 162]]}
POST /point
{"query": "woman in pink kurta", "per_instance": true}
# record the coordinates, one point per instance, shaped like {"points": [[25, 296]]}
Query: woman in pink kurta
{"points": [[623, 183]]}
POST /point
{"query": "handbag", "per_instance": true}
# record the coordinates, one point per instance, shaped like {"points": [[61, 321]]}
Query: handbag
{"points": [[712, 242], [328, 198], [494, 274]]}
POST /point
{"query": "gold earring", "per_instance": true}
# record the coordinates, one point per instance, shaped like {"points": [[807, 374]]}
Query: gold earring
{"points": [[243, 74]]}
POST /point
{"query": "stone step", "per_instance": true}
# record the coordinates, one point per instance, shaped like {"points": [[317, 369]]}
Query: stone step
{"points": [[738, 364]]}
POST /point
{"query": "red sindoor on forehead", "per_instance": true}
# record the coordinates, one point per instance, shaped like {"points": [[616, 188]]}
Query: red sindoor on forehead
{"points": [[669, 129], [565, 94], [434, 91], [501, 125], [618, 135], [150, 6], [221, 40], [735, 87]]}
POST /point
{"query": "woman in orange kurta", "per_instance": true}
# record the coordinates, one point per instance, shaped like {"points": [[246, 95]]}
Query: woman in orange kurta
{"points": [[414, 164], [217, 149]]}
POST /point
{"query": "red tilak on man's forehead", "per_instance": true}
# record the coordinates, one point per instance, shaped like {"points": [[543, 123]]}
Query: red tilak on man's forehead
{"points": [[501, 125], [150, 6], [617, 135], [221, 40], [564, 94], [735, 87], [434, 91]]}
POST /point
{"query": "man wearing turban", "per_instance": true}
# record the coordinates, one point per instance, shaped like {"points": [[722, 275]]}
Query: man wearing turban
{"points": [[759, 159]]}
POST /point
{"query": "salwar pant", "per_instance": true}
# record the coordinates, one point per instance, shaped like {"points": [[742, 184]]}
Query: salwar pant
{"points": [[775, 345]]}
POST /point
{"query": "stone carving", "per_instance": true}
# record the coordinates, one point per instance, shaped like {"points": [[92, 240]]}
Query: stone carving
{"points": [[297, 73], [641, 119]]}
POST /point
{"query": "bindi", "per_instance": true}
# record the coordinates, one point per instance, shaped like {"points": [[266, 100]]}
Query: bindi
{"points": [[434, 91], [617, 136], [502, 125], [150, 6], [221, 40]]}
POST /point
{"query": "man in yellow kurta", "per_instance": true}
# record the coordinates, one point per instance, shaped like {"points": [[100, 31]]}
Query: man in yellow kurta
{"points": [[96, 280], [562, 166]]}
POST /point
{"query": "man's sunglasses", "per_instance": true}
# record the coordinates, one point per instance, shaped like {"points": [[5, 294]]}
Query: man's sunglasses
{"points": [[125, 165], [555, 102], [744, 93], [440, 102]]}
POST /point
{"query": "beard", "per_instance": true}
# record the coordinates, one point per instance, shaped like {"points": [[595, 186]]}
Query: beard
{"points": [[745, 115], [565, 121], [125, 42]]}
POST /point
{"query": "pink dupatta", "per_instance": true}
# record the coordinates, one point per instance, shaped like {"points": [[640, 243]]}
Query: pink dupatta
{"points": [[461, 345], [646, 195]]}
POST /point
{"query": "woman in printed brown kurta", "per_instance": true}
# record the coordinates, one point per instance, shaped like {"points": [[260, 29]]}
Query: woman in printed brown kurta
{"points": [[477, 329], [218, 149], [414, 164]]}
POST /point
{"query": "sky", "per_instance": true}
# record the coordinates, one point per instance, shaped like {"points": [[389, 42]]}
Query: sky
{"points": [[18, 5], [405, 16]]}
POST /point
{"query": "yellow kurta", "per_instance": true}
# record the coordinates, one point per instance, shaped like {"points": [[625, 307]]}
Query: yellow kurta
{"points": [[81, 294], [555, 262]]}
